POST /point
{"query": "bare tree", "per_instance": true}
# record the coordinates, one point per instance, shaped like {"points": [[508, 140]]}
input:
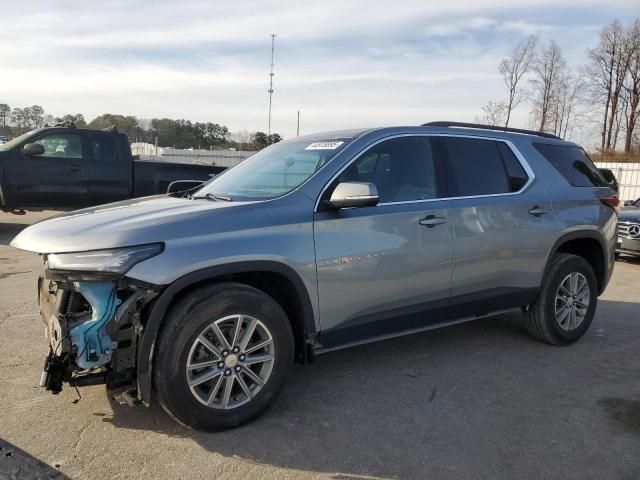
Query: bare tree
{"points": [[493, 113], [632, 85], [49, 120], [144, 123], [549, 69], [18, 118], [37, 116], [5, 112], [513, 67], [619, 119], [601, 71], [242, 138], [610, 61], [565, 100], [574, 106]]}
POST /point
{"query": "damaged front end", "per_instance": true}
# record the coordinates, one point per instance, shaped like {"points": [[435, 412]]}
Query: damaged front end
{"points": [[93, 316]]}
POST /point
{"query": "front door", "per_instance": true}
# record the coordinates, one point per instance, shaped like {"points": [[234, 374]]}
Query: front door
{"points": [[54, 179], [386, 269]]}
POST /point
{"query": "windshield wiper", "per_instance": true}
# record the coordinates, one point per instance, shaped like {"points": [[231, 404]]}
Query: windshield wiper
{"points": [[215, 197]]}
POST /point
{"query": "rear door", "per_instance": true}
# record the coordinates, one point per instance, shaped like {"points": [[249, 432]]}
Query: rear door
{"points": [[387, 268], [108, 170], [55, 179], [503, 226]]}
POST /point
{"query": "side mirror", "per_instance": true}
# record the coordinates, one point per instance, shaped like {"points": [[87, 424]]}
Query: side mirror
{"points": [[628, 203], [33, 149], [353, 195]]}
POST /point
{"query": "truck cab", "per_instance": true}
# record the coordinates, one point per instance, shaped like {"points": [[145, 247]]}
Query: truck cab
{"points": [[62, 168], [66, 168]]}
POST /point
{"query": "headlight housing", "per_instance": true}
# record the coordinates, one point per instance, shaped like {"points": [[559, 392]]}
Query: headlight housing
{"points": [[113, 260]]}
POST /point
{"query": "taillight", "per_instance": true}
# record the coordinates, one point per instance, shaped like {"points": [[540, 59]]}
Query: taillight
{"points": [[612, 201]]}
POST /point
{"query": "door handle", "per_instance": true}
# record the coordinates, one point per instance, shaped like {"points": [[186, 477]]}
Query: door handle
{"points": [[75, 168], [537, 211], [431, 221]]}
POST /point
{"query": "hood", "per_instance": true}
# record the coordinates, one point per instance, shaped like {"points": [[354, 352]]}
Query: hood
{"points": [[629, 214], [131, 222]]}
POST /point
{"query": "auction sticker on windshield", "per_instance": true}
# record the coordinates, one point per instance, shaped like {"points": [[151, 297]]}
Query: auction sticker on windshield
{"points": [[324, 146]]}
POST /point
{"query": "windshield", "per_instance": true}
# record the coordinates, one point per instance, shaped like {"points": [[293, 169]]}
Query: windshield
{"points": [[12, 143], [274, 171]]}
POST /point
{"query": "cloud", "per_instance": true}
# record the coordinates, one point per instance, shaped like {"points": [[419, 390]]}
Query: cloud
{"points": [[342, 63], [524, 27]]}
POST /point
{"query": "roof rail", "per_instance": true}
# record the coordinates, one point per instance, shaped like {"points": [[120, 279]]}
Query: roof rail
{"points": [[489, 127]]}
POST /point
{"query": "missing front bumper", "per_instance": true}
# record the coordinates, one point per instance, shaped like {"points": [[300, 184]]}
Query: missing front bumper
{"points": [[93, 330]]}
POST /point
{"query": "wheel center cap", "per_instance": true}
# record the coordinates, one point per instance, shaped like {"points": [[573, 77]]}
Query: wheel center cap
{"points": [[231, 360], [570, 301]]}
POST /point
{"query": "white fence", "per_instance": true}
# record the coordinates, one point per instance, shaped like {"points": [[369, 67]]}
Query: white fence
{"points": [[628, 176], [221, 158]]}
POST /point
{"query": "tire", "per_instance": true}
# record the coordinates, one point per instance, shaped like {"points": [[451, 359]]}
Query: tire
{"points": [[542, 321], [188, 339]]}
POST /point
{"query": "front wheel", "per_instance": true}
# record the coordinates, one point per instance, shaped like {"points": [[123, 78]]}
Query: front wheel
{"points": [[567, 301], [223, 356]]}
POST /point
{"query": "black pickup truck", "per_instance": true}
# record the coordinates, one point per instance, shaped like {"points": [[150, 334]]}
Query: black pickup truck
{"points": [[65, 168]]}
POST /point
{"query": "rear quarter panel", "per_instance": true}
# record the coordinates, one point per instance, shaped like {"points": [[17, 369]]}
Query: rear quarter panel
{"points": [[576, 209]]}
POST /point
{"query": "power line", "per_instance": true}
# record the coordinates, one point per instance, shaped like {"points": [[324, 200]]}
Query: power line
{"points": [[273, 44]]}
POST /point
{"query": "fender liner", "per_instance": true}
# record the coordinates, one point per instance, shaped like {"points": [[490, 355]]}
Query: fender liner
{"points": [[581, 234], [162, 303]]}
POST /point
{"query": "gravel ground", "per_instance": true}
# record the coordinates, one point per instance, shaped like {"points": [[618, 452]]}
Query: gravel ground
{"points": [[479, 400]]}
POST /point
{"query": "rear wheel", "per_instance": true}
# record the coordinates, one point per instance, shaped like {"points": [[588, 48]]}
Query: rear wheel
{"points": [[567, 302], [223, 356]]}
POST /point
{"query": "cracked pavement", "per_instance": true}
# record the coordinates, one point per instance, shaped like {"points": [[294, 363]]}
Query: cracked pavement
{"points": [[479, 400]]}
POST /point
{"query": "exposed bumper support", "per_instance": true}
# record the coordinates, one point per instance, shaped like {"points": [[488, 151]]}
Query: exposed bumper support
{"points": [[93, 330], [89, 338]]}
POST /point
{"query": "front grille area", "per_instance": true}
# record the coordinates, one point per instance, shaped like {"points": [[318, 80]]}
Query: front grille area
{"points": [[629, 230]]}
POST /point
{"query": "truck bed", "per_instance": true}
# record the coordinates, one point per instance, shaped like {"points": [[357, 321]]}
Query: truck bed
{"points": [[153, 177]]}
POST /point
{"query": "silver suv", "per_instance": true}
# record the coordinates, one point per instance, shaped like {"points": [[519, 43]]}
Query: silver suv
{"points": [[202, 300]]}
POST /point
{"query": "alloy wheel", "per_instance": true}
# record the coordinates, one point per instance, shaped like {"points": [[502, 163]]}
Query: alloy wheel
{"points": [[230, 361], [572, 301]]}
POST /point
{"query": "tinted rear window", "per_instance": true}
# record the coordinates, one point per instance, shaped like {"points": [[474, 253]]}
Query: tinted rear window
{"points": [[474, 167], [573, 164], [517, 176]]}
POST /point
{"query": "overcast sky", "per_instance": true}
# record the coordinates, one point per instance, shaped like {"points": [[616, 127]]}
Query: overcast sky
{"points": [[342, 63]]}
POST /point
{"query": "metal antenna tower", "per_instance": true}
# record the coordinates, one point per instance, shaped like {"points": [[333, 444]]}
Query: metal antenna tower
{"points": [[273, 43]]}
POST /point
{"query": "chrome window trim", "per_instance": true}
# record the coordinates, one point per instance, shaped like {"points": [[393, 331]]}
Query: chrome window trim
{"points": [[521, 159]]}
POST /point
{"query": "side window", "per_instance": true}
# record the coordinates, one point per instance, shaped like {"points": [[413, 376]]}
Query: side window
{"points": [[573, 164], [61, 145], [517, 176], [366, 167], [474, 167], [403, 169], [104, 147]]}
